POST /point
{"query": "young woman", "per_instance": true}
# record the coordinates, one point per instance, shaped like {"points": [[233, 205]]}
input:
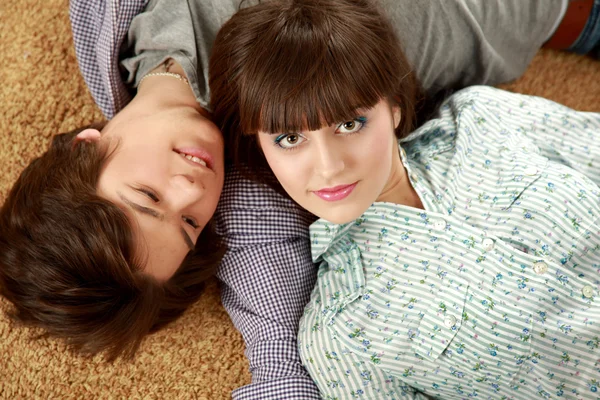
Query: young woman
{"points": [[460, 261]]}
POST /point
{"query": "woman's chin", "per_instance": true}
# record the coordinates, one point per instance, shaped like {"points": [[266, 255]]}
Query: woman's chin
{"points": [[342, 216]]}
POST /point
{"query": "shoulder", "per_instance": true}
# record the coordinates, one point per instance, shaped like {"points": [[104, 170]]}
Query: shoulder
{"points": [[500, 102], [99, 27], [484, 116], [253, 213]]}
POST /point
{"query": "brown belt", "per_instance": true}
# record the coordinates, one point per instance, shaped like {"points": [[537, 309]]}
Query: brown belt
{"points": [[571, 26]]}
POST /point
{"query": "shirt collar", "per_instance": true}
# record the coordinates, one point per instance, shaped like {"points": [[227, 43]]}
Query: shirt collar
{"points": [[324, 234]]}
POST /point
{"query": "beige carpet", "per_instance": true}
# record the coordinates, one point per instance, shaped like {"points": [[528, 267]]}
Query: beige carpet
{"points": [[201, 355]]}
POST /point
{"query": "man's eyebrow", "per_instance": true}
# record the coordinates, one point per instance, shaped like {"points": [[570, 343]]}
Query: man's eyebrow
{"points": [[144, 210], [155, 214], [188, 240]]}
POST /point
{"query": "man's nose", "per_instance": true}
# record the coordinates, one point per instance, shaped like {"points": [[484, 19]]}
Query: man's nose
{"points": [[184, 190]]}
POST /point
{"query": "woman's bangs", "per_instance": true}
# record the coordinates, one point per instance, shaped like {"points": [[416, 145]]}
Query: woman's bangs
{"points": [[312, 88]]}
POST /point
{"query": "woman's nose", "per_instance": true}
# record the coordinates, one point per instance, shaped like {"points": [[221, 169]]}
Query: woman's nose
{"points": [[329, 160]]}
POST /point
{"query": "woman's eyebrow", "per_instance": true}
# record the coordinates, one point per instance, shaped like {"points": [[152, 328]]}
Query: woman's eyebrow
{"points": [[155, 214], [274, 133]]}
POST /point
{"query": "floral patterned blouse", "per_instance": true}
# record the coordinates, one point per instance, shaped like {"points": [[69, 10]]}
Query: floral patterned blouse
{"points": [[493, 290]]}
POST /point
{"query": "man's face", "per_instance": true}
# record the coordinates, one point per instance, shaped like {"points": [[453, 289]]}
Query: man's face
{"points": [[166, 171]]}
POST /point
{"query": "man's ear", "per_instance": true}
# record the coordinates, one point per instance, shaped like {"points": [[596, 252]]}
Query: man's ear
{"points": [[88, 135], [397, 116]]}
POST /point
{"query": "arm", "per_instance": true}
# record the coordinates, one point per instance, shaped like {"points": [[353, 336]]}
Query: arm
{"points": [[339, 373], [487, 44], [457, 43], [561, 134], [267, 277], [265, 310], [99, 27]]}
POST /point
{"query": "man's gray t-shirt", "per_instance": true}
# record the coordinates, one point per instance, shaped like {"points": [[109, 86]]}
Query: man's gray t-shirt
{"points": [[450, 43]]}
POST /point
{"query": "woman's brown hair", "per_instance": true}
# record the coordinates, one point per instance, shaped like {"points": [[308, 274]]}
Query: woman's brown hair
{"points": [[293, 65], [67, 261]]}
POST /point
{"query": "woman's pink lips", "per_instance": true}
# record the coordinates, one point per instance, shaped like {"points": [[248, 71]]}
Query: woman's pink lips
{"points": [[336, 193]]}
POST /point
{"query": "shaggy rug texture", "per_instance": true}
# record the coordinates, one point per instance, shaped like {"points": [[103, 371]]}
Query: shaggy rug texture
{"points": [[201, 355]]}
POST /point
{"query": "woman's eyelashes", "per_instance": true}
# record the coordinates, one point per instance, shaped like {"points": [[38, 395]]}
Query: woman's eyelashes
{"points": [[352, 126], [288, 141], [151, 194]]}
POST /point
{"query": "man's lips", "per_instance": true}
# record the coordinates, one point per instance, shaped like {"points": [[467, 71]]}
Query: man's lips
{"points": [[196, 154], [335, 193]]}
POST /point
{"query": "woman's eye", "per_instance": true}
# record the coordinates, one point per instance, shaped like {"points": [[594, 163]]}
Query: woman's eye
{"points": [[289, 140], [191, 222], [352, 126]]}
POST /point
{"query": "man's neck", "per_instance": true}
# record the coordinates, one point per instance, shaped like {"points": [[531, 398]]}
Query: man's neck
{"points": [[166, 91], [170, 90]]}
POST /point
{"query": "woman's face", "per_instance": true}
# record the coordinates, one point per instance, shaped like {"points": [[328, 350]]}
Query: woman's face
{"points": [[338, 171], [166, 172]]}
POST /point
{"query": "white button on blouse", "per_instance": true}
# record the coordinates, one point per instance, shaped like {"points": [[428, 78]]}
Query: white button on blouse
{"points": [[531, 170], [587, 291], [450, 321], [488, 244], [439, 224], [540, 267]]}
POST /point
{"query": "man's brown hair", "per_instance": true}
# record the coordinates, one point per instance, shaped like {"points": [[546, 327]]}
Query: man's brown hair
{"points": [[67, 261], [293, 65]]}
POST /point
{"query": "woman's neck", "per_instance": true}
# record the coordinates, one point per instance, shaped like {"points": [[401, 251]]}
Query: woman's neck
{"points": [[398, 189]]}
